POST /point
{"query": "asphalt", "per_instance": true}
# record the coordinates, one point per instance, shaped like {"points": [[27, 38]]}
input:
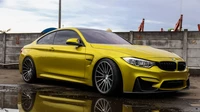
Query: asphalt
{"points": [[54, 96]]}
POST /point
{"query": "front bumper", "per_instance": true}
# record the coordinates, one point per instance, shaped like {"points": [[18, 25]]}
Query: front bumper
{"points": [[169, 86], [138, 79]]}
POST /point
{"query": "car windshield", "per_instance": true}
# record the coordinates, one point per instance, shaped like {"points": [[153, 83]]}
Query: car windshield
{"points": [[102, 37]]}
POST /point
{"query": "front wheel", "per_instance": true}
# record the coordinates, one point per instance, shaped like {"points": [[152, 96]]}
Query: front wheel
{"points": [[107, 77], [28, 70]]}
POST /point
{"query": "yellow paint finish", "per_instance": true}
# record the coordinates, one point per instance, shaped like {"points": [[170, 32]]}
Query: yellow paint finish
{"points": [[127, 108], [76, 64], [44, 103], [150, 79]]}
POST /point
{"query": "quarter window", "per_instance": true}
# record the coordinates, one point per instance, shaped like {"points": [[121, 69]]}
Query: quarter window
{"points": [[63, 35], [48, 39]]}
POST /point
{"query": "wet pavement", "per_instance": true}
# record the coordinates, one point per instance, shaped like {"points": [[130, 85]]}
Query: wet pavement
{"points": [[56, 96]]}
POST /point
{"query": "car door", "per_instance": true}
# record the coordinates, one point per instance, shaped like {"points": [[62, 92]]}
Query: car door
{"points": [[43, 54], [69, 60]]}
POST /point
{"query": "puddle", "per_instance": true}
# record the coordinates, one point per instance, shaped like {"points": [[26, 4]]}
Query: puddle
{"points": [[60, 99], [195, 105]]}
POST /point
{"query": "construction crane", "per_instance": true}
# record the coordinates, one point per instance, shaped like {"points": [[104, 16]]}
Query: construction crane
{"points": [[141, 27], [178, 26], [198, 26]]}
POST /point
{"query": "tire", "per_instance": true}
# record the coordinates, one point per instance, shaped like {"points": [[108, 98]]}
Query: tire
{"points": [[102, 105], [27, 100], [107, 77], [106, 105], [28, 70]]}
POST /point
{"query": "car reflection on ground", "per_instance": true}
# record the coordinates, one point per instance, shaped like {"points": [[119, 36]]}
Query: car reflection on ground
{"points": [[44, 101]]}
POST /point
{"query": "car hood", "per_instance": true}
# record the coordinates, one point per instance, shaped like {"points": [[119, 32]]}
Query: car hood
{"points": [[137, 50]]}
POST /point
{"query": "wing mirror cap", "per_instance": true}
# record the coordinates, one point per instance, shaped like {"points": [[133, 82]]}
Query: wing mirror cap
{"points": [[74, 41]]}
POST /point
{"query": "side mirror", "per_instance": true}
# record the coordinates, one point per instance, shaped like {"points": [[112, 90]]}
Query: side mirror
{"points": [[74, 41]]}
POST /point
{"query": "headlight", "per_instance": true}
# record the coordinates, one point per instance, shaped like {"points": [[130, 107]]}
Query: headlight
{"points": [[139, 62]]}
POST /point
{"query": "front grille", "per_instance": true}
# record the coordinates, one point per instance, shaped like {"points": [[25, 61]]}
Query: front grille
{"points": [[172, 84], [168, 66], [181, 66]]}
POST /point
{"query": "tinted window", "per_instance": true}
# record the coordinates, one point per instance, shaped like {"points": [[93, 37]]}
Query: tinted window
{"points": [[62, 36], [48, 39], [102, 37]]}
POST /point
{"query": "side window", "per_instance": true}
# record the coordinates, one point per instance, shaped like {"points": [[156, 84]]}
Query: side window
{"points": [[48, 39], [63, 35]]}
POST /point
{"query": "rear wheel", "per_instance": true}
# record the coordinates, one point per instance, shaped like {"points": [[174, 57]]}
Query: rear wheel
{"points": [[28, 70], [107, 77], [102, 105], [27, 100]]}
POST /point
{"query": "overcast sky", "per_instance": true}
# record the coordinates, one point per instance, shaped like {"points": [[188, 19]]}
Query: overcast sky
{"points": [[118, 15]]}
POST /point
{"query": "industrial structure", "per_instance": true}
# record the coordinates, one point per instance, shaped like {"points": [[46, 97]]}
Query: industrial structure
{"points": [[178, 26], [141, 27]]}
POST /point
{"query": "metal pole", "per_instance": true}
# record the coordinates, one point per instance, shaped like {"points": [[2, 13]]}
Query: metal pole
{"points": [[59, 16]]}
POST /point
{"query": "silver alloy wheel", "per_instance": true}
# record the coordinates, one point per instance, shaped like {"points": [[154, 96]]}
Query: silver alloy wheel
{"points": [[102, 105], [27, 101], [27, 70], [104, 77]]}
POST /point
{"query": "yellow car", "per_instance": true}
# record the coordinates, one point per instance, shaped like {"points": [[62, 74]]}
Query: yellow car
{"points": [[104, 60]]}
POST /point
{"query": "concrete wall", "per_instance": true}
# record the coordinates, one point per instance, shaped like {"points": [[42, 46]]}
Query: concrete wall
{"points": [[193, 53], [1, 48], [14, 43], [170, 41], [8, 97], [186, 44]]}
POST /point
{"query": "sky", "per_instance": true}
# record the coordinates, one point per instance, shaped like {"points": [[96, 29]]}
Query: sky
{"points": [[24, 16]]}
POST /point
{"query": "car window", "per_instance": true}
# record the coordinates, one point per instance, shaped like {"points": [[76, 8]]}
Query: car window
{"points": [[63, 35], [102, 37], [47, 39]]}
